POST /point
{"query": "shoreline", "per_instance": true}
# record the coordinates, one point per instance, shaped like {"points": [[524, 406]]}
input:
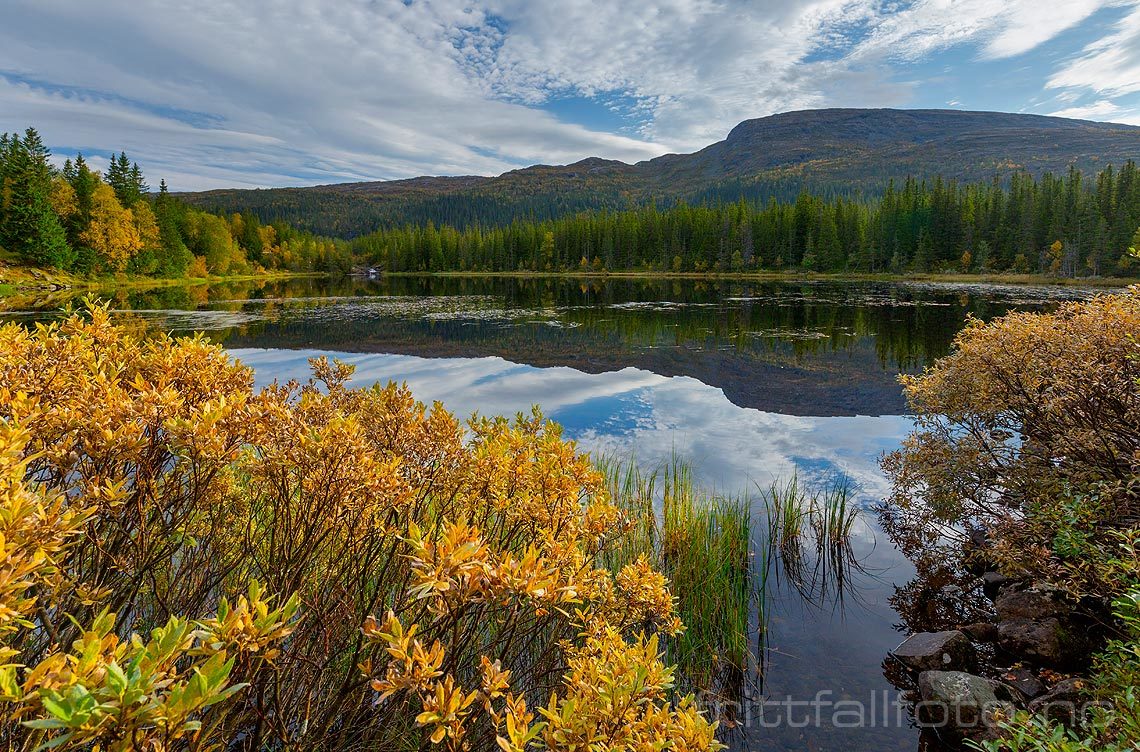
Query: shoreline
{"points": [[32, 280], [1027, 280]]}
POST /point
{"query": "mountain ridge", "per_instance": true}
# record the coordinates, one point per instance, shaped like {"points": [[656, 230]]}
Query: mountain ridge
{"points": [[850, 150]]}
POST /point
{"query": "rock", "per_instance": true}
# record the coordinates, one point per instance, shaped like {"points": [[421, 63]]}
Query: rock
{"points": [[992, 583], [1034, 603], [1042, 641], [982, 631], [1024, 682], [928, 651], [959, 705], [1062, 703]]}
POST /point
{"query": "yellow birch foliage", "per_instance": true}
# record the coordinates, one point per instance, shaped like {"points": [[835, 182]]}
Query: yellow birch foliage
{"points": [[64, 202], [145, 225], [34, 529], [112, 232]]}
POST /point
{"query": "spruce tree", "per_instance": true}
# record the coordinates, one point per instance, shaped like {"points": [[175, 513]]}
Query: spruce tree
{"points": [[174, 257], [136, 184], [125, 179], [82, 181], [30, 227]]}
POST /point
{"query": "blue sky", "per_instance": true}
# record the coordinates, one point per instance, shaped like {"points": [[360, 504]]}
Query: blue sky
{"points": [[301, 92]]}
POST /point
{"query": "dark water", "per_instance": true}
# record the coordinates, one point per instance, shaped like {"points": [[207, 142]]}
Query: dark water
{"points": [[747, 381]]}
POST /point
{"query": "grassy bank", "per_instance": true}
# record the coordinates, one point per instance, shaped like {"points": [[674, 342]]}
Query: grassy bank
{"points": [[16, 278]]}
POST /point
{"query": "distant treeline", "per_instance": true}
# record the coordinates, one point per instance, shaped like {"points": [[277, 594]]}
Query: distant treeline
{"points": [[1063, 225], [341, 213], [78, 220]]}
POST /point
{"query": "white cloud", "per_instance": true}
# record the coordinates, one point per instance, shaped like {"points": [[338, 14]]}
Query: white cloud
{"points": [[650, 417], [212, 93], [1003, 29], [1109, 66], [697, 67], [288, 92], [1103, 109]]}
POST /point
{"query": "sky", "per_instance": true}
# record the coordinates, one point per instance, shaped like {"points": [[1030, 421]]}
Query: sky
{"points": [[265, 93]]}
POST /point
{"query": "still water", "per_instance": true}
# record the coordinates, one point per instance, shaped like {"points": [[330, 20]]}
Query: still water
{"points": [[748, 381]]}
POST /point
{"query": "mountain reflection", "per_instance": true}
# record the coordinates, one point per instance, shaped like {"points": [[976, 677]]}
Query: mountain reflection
{"points": [[629, 411], [814, 348], [747, 381]]}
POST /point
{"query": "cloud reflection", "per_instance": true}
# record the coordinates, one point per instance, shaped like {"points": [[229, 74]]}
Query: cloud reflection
{"points": [[631, 412]]}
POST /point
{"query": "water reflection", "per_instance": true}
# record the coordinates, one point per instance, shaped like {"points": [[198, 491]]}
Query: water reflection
{"points": [[814, 348], [811, 645], [617, 412], [746, 380]]}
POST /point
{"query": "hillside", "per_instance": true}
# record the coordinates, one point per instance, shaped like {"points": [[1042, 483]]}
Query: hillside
{"points": [[833, 151]]}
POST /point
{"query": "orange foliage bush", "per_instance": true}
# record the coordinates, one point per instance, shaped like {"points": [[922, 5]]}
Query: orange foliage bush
{"points": [[1028, 429], [144, 479]]}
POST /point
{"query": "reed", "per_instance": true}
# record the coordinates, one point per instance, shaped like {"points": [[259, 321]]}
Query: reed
{"points": [[703, 543], [808, 535], [727, 556]]}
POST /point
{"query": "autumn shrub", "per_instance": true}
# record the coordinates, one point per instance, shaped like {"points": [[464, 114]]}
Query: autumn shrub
{"points": [[190, 564], [1028, 430]]}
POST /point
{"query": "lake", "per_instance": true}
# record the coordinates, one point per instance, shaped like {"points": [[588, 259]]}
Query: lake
{"points": [[747, 381]]}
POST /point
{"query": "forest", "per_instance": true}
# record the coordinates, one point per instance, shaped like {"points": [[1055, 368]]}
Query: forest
{"points": [[1069, 226], [78, 220]]}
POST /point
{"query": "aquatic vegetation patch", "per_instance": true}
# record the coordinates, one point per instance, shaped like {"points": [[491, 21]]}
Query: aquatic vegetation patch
{"points": [[807, 536], [703, 543]]}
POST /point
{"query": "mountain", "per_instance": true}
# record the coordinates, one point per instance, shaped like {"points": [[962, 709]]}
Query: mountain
{"points": [[831, 151]]}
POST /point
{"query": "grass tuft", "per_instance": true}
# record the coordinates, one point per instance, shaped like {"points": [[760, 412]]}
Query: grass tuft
{"points": [[703, 543]]}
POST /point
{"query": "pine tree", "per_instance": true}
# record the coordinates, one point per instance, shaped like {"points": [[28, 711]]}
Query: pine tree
{"points": [[250, 238], [82, 181], [174, 257], [137, 187]]}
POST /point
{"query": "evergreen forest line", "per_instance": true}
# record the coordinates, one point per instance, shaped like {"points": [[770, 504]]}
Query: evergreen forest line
{"points": [[88, 223], [1065, 226]]}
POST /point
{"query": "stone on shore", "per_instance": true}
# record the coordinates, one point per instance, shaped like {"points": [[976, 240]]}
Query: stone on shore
{"points": [[961, 706], [1033, 603], [937, 651]]}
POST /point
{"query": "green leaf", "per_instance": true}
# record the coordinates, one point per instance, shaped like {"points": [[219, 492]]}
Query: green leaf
{"points": [[116, 678], [57, 706], [44, 723], [225, 694]]}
